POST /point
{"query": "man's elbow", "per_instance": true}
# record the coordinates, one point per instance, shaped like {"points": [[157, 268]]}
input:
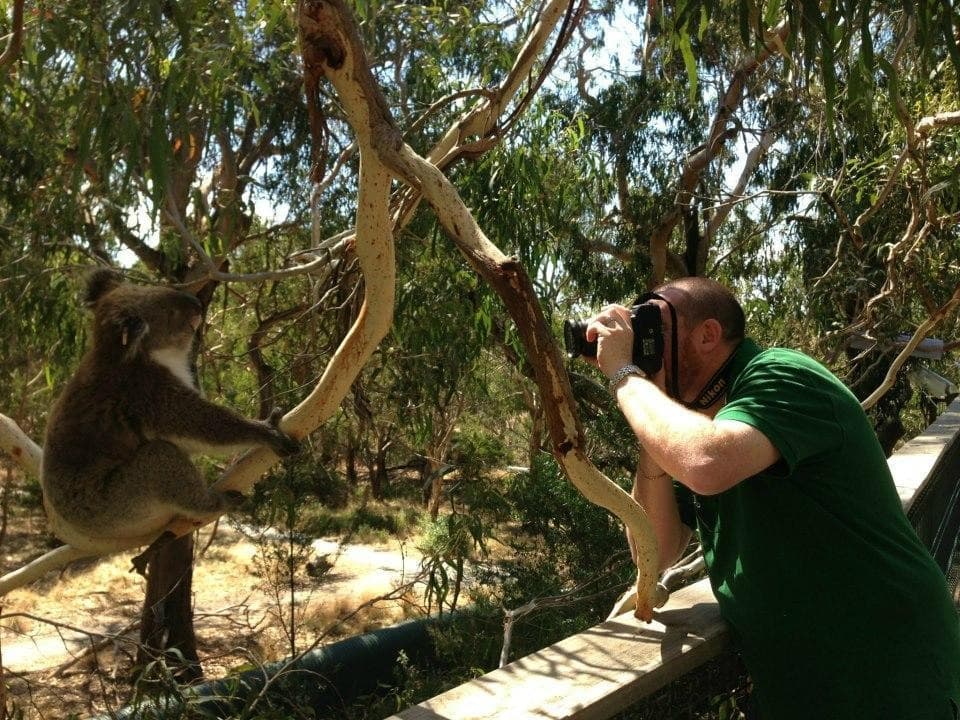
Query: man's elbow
{"points": [[709, 479]]}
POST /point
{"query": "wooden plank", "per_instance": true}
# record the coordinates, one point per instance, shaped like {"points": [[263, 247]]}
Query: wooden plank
{"points": [[911, 464], [593, 674]]}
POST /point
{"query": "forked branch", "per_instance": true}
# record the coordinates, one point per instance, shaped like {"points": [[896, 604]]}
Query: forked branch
{"points": [[698, 161], [330, 35]]}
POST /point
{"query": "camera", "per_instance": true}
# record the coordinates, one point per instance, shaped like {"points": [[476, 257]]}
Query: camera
{"points": [[647, 327]]}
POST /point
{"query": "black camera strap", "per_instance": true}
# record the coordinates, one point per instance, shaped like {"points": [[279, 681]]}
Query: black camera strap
{"points": [[716, 386]]}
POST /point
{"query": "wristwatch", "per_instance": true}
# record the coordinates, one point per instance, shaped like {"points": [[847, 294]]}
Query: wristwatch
{"points": [[620, 375]]}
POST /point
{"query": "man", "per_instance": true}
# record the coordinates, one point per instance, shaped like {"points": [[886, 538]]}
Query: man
{"points": [[840, 611]]}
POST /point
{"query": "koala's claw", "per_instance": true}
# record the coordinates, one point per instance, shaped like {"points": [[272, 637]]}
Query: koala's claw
{"points": [[141, 561], [284, 445]]}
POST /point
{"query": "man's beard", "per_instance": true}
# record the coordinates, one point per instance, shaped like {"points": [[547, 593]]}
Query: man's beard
{"points": [[688, 369]]}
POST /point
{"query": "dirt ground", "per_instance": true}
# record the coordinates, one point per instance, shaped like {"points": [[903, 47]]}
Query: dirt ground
{"points": [[48, 629]]}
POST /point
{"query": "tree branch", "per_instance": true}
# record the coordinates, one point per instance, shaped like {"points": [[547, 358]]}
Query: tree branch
{"points": [[15, 442], [255, 350], [153, 259], [735, 196], [697, 162], [936, 122], [15, 41], [918, 336], [374, 248], [332, 41], [480, 120]]}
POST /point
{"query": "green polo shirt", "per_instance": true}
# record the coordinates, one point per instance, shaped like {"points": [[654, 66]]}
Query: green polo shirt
{"points": [[839, 610]]}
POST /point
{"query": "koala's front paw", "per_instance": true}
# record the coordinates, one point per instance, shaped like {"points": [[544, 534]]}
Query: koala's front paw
{"points": [[232, 499], [282, 444], [286, 445]]}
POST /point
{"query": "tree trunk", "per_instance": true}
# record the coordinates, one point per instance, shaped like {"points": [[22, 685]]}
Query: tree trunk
{"points": [[167, 618], [351, 461], [380, 477], [436, 493], [5, 503]]}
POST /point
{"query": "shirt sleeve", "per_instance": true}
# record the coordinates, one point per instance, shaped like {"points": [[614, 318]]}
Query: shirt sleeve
{"points": [[792, 403]]}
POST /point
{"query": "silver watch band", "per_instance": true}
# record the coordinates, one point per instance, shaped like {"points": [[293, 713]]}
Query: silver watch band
{"points": [[620, 375]]}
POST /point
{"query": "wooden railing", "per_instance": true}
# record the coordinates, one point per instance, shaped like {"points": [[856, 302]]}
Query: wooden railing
{"points": [[598, 673]]}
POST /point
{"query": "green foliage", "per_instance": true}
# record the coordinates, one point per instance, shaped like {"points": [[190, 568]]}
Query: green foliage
{"points": [[576, 536], [477, 453], [365, 522], [446, 544], [298, 481], [282, 557], [836, 42], [452, 540], [310, 501]]}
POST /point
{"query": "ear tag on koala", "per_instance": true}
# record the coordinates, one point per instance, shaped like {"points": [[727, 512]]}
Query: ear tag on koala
{"points": [[124, 337]]}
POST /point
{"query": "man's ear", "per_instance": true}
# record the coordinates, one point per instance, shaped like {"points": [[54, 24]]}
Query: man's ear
{"points": [[711, 334], [132, 331]]}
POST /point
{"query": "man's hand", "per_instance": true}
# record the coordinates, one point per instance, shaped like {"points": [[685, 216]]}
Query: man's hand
{"points": [[613, 333]]}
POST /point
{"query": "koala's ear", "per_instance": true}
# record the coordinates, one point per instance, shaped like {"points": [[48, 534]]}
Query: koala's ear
{"points": [[99, 283], [132, 331]]}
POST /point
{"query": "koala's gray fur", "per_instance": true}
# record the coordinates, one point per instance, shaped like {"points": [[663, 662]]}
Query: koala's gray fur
{"points": [[116, 457]]}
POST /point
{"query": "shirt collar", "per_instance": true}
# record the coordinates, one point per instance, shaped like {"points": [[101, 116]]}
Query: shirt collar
{"points": [[746, 351]]}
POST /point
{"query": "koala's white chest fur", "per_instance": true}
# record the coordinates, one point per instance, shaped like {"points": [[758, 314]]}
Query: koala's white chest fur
{"points": [[177, 361]]}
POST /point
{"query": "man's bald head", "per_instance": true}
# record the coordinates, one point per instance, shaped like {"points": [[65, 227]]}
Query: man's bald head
{"points": [[698, 298]]}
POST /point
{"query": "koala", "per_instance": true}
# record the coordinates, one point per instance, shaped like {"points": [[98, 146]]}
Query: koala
{"points": [[116, 457]]}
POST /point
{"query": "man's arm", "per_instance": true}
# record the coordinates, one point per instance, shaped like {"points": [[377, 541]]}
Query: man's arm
{"points": [[708, 456], [653, 489]]}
